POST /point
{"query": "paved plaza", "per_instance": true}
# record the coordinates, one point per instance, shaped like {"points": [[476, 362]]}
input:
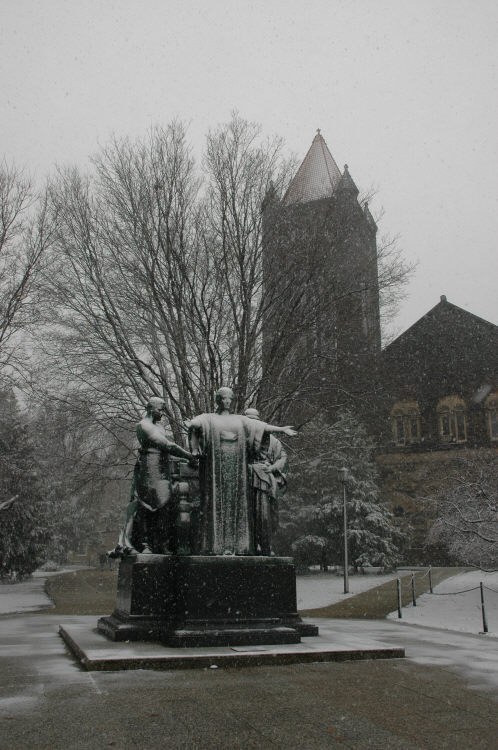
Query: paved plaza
{"points": [[442, 695]]}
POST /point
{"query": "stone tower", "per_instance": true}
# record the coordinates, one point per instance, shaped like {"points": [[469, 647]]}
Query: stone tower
{"points": [[321, 336]]}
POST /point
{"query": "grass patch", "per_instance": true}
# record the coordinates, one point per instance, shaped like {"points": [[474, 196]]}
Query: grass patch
{"points": [[376, 603], [93, 592], [83, 592]]}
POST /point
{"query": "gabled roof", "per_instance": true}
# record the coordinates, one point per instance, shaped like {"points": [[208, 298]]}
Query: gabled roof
{"points": [[447, 352], [441, 323], [317, 177]]}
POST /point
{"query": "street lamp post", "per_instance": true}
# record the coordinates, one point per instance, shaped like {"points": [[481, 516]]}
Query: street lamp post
{"points": [[343, 474]]}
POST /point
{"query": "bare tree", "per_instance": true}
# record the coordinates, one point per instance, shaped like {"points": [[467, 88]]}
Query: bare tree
{"points": [[155, 286], [240, 170], [466, 510], [394, 272], [157, 282], [25, 234], [119, 304]]}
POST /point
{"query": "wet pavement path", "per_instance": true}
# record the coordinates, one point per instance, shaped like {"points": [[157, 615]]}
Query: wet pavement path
{"points": [[444, 695]]}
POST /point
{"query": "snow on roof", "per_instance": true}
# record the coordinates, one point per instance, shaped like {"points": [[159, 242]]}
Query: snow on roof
{"points": [[317, 177]]}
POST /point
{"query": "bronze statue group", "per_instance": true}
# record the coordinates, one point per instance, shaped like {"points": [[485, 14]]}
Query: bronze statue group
{"points": [[227, 503]]}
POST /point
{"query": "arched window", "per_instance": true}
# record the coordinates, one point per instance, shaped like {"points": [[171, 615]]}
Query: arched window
{"points": [[491, 405], [405, 417], [452, 420]]}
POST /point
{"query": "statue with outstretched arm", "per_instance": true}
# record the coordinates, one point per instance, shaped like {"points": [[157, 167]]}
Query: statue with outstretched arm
{"points": [[224, 443]]}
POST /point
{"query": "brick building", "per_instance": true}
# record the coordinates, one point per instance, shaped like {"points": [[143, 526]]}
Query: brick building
{"points": [[428, 395], [440, 379], [439, 397], [322, 337]]}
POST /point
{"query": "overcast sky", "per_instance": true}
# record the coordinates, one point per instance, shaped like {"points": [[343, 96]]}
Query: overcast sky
{"points": [[404, 92]]}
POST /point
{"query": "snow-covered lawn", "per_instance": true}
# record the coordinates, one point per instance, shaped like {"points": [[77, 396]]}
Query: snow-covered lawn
{"points": [[323, 589], [453, 611]]}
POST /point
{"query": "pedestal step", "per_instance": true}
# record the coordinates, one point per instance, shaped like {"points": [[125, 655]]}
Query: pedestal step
{"points": [[240, 636]]}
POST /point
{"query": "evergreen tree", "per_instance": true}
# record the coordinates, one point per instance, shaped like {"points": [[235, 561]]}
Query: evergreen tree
{"points": [[312, 512], [52, 496], [24, 516], [78, 466]]}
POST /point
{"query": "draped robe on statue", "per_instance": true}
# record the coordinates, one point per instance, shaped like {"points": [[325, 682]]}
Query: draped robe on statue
{"points": [[267, 486], [224, 442], [149, 517]]}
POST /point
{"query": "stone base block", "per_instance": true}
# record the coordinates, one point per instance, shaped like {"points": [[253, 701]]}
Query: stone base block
{"points": [[206, 601]]}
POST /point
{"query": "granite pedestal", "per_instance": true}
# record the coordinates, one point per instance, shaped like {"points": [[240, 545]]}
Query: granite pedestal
{"points": [[206, 601]]}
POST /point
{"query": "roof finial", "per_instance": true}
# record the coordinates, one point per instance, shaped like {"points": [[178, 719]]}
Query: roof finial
{"points": [[318, 131], [346, 167]]}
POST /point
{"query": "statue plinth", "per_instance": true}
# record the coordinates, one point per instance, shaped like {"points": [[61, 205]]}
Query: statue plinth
{"points": [[206, 601]]}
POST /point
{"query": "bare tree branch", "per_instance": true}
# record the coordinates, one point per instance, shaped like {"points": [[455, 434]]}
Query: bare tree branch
{"points": [[466, 507]]}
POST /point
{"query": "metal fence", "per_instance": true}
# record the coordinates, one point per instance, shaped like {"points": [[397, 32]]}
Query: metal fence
{"points": [[412, 587]]}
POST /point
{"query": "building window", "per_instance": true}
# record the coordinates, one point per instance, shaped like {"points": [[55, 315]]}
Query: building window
{"points": [[491, 405], [405, 416], [452, 420]]}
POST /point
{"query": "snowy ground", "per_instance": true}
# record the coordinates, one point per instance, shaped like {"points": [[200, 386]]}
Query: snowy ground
{"points": [[323, 589], [457, 611]]}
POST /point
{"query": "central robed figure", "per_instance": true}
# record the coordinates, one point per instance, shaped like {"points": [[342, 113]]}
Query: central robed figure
{"points": [[226, 444]]}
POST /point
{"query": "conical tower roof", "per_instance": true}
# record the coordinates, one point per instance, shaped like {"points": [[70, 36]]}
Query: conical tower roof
{"points": [[316, 178], [346, 184]]}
